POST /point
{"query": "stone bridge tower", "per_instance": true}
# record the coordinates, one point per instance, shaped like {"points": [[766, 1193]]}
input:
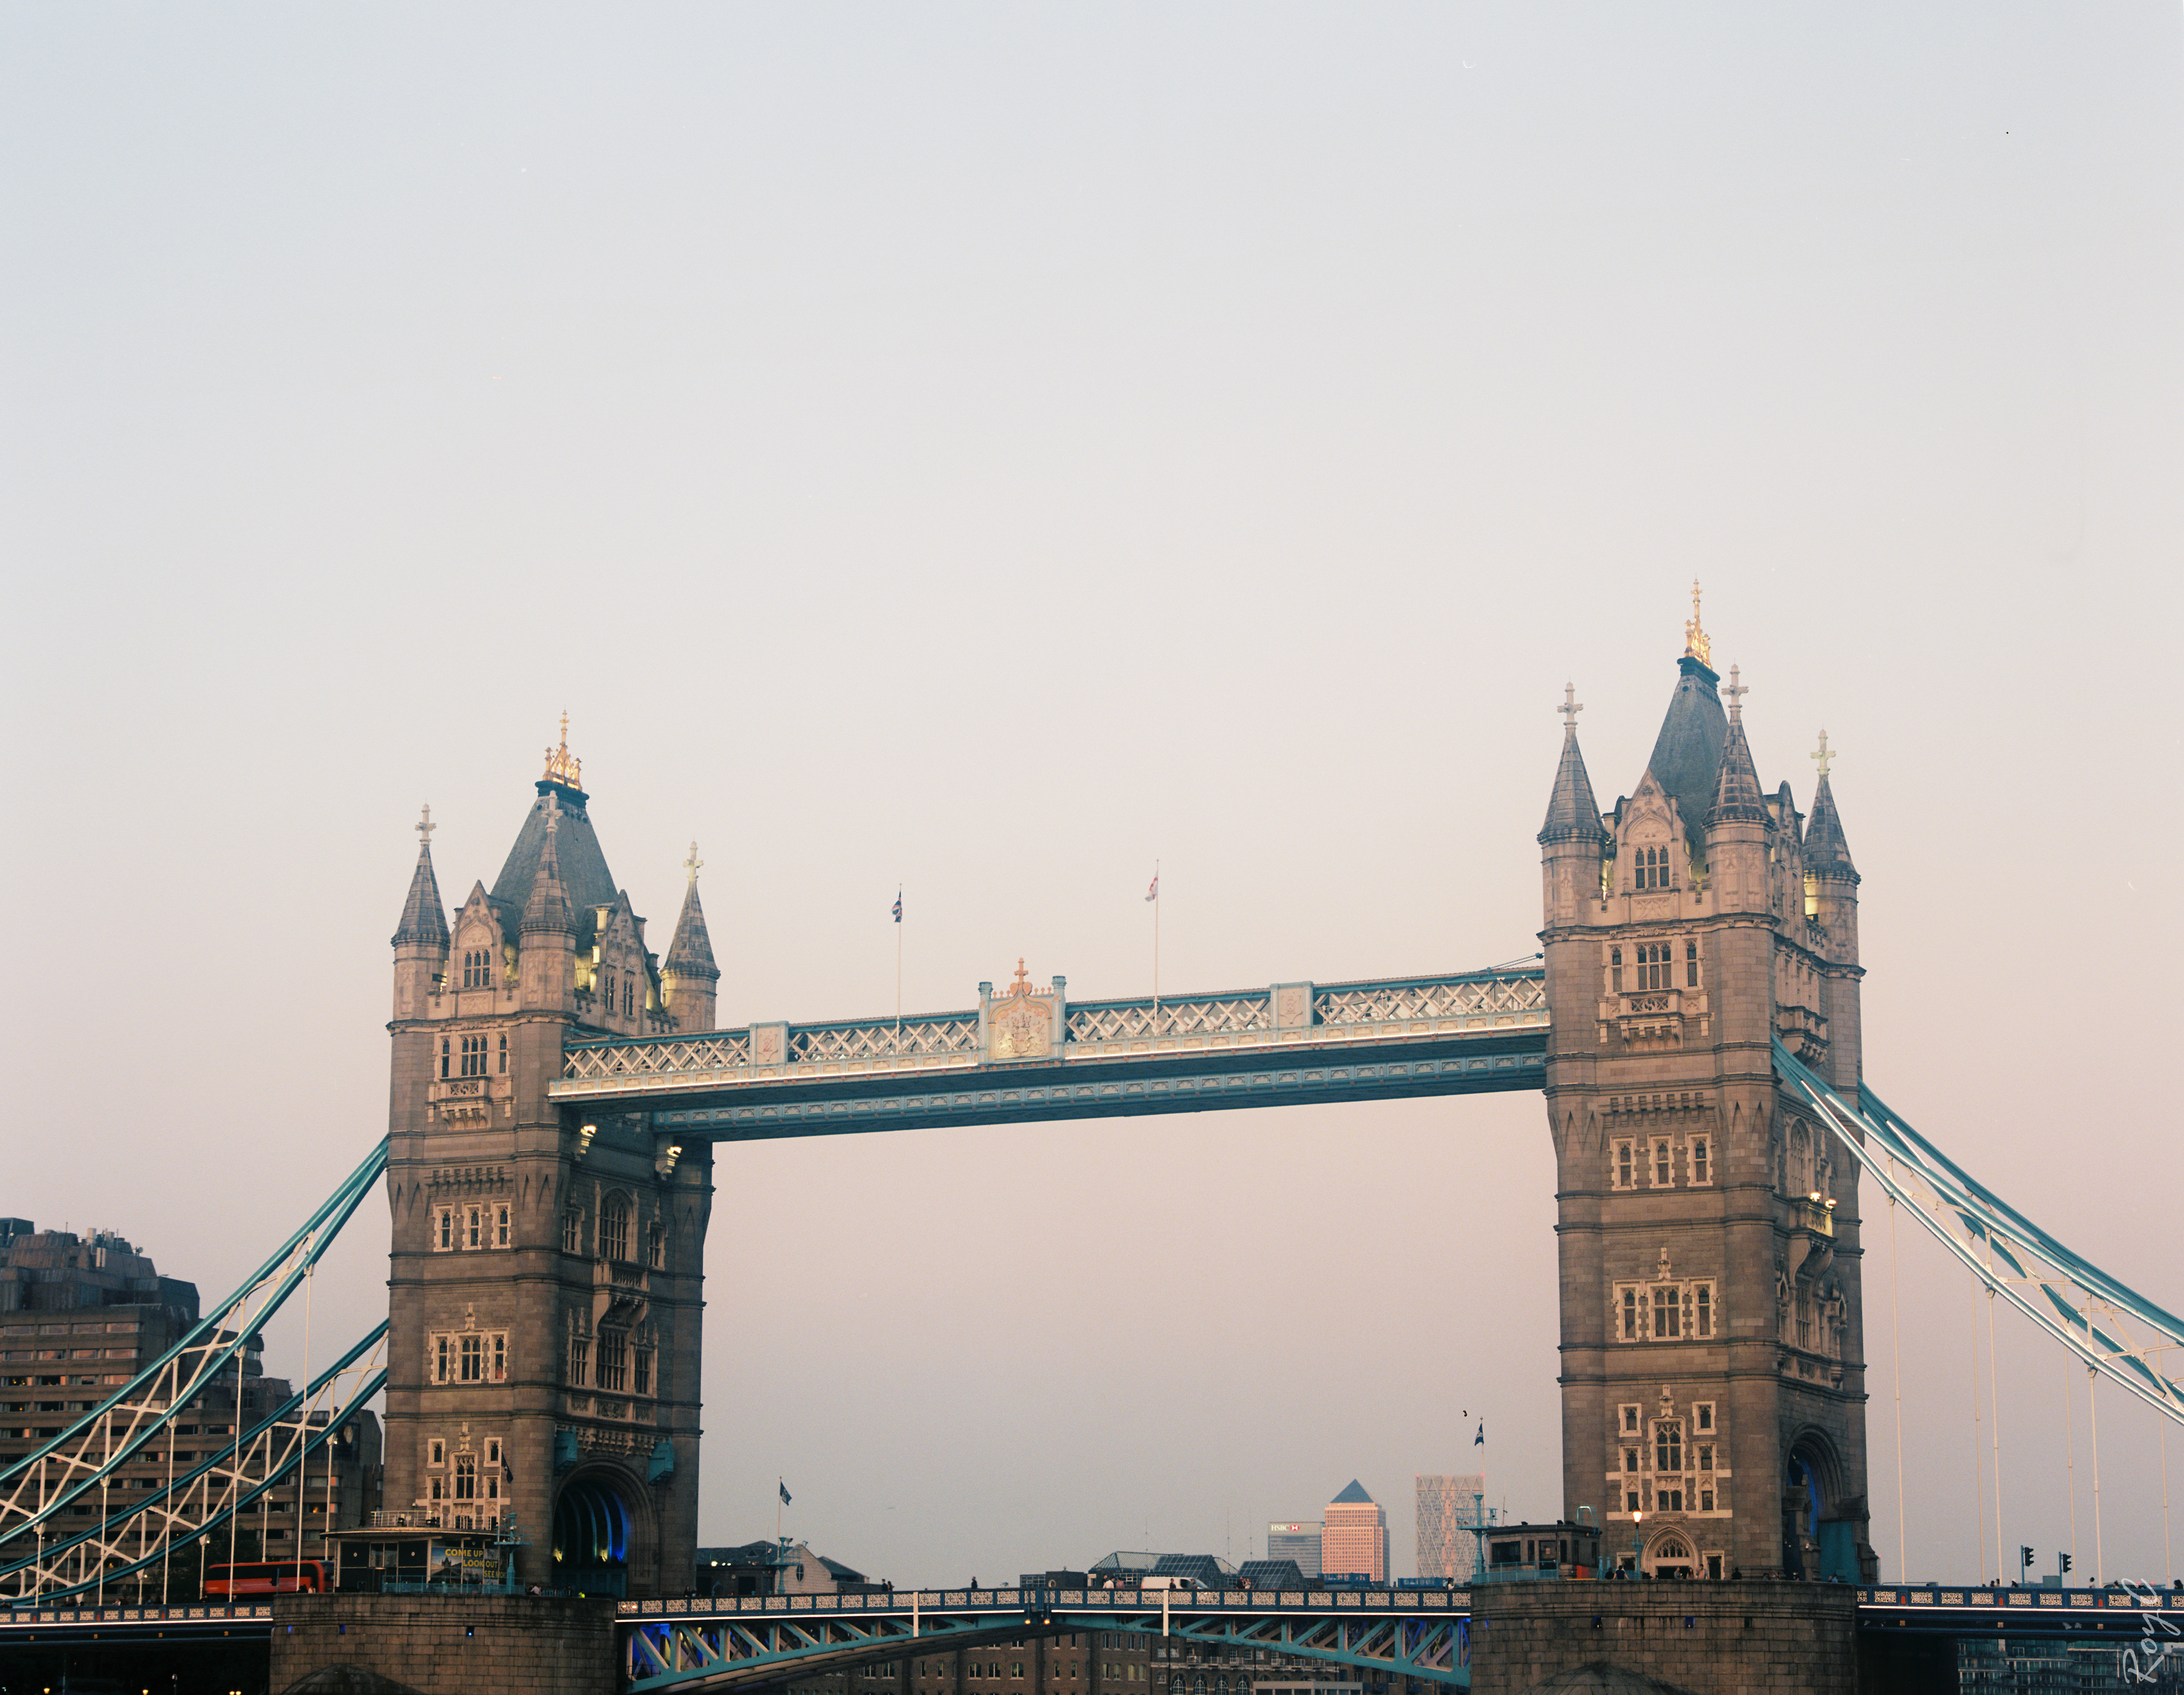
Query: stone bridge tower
{"points": [[544, 1273], [1713, 1375]]}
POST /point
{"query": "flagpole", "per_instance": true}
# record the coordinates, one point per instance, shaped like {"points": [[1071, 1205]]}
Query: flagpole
{"points": [[898, 970], [1156, 906]]}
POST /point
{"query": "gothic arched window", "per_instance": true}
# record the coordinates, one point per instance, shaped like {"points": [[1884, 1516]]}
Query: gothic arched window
{"points": [[1690, 965], [1660, 1165], [465, 1477], [1615, 969]]}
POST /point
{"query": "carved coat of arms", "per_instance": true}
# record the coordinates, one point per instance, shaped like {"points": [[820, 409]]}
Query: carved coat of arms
{"points": [[1021, 1023]]}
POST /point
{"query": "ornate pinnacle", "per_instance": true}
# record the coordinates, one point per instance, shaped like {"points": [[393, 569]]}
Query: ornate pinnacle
{"points": [[1695, 642], [694, 865], [1823, 755], [1570, 708], [1737, 691], [563, 766], [426, 827]]}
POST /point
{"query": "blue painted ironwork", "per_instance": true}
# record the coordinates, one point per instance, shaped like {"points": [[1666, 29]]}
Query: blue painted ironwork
{"points": [[1032, 1054], [1422, 1634], [281, 1443], [38, 1489], [2067, 1296]]}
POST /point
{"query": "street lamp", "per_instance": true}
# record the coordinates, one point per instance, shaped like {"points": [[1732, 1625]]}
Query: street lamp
{"points": [[1637, 1546]]}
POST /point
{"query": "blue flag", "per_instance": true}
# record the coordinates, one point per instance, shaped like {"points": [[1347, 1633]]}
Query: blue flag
{"points": [[897, 905], [1480, 1440], [783, 1487]]}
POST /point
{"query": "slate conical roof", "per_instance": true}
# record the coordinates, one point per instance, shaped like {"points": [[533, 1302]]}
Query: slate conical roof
{"points": [[423, 919], [1826, 849], [585, 878], [1573, 815], [1686, 757], [1354, 1496], [690, 954], [1736, 796], [546, 907]]}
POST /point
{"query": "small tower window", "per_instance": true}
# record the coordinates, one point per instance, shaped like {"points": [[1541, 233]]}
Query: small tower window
{"points": [[474, 1055], [443, 1057], [1660, 1165], [473, 1229], [1615, 969], [1668, 1311], [1630, 1419], [1690, 965], [614, 1356], [1630, 1323], [614, 1230], [1668, 1447], [1653, 968], [465, 1477], [572, 1231], [655, 1245], [1699, 1161], [1653, 867], [1623, 1165], [477, 969], [1703, 1313], [504, 1051], [641, 1371], [579, 1359]]}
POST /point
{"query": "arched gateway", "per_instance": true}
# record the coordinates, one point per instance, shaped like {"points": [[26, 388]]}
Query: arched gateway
{"points": [[556, 1091]]}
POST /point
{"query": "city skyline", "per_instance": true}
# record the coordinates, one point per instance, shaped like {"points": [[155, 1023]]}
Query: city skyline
{"points": [[984, 457]]}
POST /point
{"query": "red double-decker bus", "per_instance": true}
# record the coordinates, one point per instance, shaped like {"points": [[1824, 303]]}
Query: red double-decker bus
{"points": [[266, 1577]]}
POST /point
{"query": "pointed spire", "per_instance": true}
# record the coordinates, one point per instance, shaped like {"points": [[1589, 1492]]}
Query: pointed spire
{"points": [[1826, 849], [548, 906], [423, 920], [1573, 815], [1736, 794], [690, 954]]}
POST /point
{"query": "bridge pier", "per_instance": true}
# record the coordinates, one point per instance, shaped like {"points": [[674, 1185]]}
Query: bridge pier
{"points": [[1786, 1638], [450, 1644]]}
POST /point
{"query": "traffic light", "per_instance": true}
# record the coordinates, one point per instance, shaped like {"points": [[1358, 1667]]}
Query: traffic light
{"points": [[2064, 1565], [2025, 1556]]}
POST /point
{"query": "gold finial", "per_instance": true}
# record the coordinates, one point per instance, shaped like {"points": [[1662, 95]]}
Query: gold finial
{"points": [[563, 766], [1737, 691], [1022, 985], [1570, 707], [1823, 755], [694, 865], [426, 827], [1696, 643]]}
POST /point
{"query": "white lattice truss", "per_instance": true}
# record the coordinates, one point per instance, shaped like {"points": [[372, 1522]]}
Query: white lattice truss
{"points": [[827, 1044], [2113, 1330], [43, 1551], [208, 1502], [1380, 1003], [1214, 1015]]}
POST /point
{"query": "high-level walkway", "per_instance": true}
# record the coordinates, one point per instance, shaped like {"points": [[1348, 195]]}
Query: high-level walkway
{"points": [[1030, 1053]]}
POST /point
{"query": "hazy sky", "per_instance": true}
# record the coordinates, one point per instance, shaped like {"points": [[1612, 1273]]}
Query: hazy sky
{"points": [[985, 449]]}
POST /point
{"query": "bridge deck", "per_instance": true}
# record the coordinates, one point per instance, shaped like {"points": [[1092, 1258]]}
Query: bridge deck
{"points": [[1032, 1054]]}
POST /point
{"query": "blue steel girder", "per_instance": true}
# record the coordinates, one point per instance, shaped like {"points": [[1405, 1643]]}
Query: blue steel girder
{"points": [[1027, 1057], [1423, 1636]]}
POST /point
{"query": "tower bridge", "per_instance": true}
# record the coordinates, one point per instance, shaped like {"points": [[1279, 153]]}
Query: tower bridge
{"points": [[1692, 1022]]}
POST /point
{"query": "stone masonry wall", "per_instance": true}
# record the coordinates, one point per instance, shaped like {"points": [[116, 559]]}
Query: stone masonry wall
{"points": [[1711, 1638], [450, 1645]]}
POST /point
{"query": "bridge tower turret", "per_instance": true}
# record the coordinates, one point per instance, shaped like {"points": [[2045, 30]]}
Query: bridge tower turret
{"points": [[1712, 1366], [545, 1268]]}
